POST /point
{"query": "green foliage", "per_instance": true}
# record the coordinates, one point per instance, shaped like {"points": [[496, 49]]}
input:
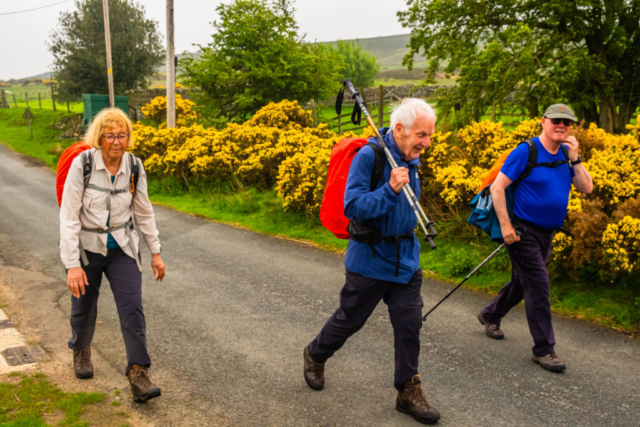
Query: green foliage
{"points": [[582, 53], [257, 57], [359, 65], [78, 47]]}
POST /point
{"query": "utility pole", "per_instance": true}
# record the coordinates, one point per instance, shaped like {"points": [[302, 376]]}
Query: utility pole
{"points": [[171, 69], [107, 37]]}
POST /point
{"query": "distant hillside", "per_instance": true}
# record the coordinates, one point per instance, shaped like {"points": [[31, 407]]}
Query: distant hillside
{"points": [[389, 50]]}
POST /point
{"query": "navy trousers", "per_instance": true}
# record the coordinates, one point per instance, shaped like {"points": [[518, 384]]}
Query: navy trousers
{"points": [[529, 280], [126, 284], [358, 298]]}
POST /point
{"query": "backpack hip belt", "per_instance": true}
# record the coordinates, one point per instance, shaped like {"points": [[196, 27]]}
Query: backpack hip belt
{"points": [[128, 226], [370, 236]]}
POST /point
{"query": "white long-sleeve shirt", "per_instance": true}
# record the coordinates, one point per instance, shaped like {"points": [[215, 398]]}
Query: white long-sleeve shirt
{"points": [[88, 209]]}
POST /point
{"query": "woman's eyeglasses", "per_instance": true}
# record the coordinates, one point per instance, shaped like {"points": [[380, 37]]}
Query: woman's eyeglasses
{"points": [[110, 138], [567, 122]]}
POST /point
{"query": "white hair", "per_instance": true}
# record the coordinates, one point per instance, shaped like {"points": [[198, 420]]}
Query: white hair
{"points": [[409, 110]]}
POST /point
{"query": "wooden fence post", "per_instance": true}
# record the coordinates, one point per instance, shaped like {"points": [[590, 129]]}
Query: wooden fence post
{"points": [[3, 99], [313, 113], [380, 106], [14, 100], [53, 99], [493, 112], [68, 110], [40, 99]]}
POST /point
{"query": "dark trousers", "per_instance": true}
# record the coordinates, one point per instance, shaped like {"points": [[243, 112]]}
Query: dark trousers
{"points": [[358, 298], [529, 280], [126, 284]]}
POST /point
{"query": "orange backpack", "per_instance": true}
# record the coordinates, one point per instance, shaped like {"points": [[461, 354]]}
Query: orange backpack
{"points": [[64, 164], [342, 154]]}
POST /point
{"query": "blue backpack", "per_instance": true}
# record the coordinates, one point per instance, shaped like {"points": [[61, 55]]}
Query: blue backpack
{"points": [[483, 215]]}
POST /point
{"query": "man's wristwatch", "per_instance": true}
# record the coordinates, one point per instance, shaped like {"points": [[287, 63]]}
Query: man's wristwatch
{"points": [[577, 162]]}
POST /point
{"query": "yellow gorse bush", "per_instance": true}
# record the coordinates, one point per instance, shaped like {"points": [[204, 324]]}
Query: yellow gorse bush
{"points": [[278, 148], [156, 110], [621, 243]]}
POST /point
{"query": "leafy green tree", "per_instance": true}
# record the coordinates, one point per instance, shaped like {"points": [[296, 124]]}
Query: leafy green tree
{"points": [[79, 49], [584, 53], [257, 57], [359, 65]]}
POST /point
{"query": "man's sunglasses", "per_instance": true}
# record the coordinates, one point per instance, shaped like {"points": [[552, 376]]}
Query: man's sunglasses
{"points": [[567, 122]]}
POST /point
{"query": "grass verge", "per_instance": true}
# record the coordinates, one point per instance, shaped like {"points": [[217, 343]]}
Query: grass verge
{"points": [[33, 398]]}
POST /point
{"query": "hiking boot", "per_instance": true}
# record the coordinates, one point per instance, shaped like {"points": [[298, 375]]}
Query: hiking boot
{"points": [[313, 372], [550, 362], [82, 365], [411, 400], [492, 330], [142, 388]]}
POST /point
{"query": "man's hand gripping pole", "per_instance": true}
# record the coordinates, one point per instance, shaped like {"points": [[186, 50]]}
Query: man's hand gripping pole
{"points": [[425, 224]]}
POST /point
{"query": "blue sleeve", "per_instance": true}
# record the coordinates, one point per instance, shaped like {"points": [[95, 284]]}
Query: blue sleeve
{"points": [[359, 202], [516, 162]]}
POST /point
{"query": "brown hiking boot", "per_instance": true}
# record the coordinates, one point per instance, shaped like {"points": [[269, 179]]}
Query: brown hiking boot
{"points": [[492, 331], [142, 388], [82, 365], [411, 400], [313, 372], [550, 362]]}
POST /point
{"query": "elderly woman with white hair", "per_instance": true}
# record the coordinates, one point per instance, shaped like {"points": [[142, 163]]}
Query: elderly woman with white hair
{"points": [[383, 257], [105, 191]]}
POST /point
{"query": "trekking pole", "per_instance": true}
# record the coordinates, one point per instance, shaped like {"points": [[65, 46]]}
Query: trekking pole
{"points": [[465, 279], [406, 189]]}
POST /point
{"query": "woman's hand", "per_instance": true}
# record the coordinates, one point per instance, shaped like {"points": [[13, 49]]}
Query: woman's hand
{"points": [[76, 281], [158, 267]]}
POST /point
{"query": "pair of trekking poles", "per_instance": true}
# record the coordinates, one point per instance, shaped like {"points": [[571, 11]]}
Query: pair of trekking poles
{"points": [[426, 225]]}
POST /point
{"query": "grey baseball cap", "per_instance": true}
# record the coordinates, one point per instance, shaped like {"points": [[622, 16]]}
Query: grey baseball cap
{"points": [[560, 111]]}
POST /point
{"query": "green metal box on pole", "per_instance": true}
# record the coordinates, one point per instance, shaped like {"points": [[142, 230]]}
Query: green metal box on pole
{"points": [[94, 103]]}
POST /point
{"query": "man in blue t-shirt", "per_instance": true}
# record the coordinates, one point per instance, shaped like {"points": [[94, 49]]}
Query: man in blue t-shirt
{"points": [[540, 205], [388, 270]]}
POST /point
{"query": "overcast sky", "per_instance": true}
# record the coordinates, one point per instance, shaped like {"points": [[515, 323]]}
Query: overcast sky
{"points": [[23, 36]]}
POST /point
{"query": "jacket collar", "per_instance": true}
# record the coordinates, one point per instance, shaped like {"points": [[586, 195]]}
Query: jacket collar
{"points": [[388, 138], [99, 162]]}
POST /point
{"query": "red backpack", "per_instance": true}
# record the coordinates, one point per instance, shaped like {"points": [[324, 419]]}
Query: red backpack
{"points": [[342, 154], [64, 164]]}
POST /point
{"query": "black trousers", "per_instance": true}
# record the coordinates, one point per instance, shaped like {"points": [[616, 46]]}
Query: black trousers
{"points": [[126, 284], [358, 298], [529, 280]]}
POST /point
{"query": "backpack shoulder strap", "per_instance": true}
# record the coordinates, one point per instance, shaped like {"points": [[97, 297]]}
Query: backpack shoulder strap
{"points": [[87, 166], [378, 166], [531, 162], [134, 167]]}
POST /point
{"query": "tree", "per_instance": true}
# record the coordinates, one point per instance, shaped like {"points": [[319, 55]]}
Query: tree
{"points": [[79, 48], [359, 65], [256, 57], [585, 53]]}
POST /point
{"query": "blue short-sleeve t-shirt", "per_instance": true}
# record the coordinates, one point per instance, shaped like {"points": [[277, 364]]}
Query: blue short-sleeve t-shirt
{"points": [[542, 197]]}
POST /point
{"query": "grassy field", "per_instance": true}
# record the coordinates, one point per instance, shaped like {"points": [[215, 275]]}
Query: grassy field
{"points": [[45, 145]]}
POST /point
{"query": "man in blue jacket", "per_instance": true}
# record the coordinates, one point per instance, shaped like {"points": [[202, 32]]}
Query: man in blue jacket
{"points": [[540, 205], [388, 270]]}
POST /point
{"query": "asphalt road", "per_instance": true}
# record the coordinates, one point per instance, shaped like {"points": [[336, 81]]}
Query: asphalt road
{"points": [[227, 327]]}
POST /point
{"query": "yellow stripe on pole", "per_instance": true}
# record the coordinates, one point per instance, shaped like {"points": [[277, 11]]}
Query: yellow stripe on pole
{"points": [[110, 71]]}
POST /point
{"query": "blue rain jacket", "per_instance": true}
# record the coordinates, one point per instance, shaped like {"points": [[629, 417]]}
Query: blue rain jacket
{"points": [[384, 210]]}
